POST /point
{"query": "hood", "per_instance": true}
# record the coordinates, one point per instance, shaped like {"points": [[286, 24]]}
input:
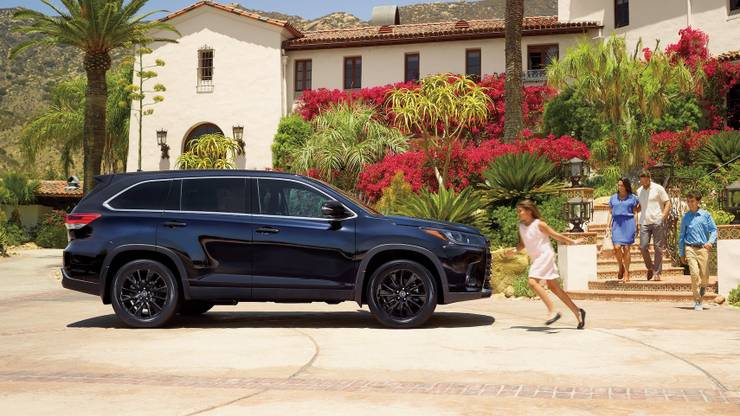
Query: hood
{"points": [[418, 222]]}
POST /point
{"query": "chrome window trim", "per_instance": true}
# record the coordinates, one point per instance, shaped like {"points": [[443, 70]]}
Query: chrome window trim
{"points": [[107, 205]]}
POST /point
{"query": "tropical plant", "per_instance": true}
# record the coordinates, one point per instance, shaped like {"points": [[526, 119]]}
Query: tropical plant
{"points": [[20, 190], [51, 232], [722, 149], [519, 175], [629, 94], [570, 114], [96, 27], [733, 298], [292, 133], [439, 112], [463, 207], [138, 94], [62, 125], [394, 195], [209, 151], [514, 18], [346, 138]]}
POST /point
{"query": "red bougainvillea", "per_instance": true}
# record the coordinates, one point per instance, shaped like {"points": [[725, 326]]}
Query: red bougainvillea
{"points": [[677, 147], [468, 163], [692, 49], [315, 101]]}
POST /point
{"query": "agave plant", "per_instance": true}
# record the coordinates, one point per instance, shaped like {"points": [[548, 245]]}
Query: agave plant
{"points": [[519, 175], [209, 151], [465, 207], [721, 149]]}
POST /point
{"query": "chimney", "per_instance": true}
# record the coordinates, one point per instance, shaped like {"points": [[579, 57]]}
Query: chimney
{"points": [[385, 16]]}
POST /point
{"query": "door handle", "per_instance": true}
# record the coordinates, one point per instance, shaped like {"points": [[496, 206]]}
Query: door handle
{"points": [[267, 230], [173, 224]]}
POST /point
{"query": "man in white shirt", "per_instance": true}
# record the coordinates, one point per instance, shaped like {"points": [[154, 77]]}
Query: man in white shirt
{"points": [[655, 205]]}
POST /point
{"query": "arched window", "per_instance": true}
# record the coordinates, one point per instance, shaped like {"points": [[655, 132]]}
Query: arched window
{"points": [[199, 130]]}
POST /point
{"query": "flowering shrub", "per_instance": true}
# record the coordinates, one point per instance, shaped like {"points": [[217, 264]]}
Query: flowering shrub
{"points": [[468, 163], [51, 232], [678, 147], [315, 101]]}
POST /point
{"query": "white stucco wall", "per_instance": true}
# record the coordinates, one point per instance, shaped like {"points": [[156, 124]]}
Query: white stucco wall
{"points": [[383, 65], [652, 19], [247, 87]]}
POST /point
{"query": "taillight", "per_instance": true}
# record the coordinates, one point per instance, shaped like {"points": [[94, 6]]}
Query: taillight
{"points": [[77, 221]]}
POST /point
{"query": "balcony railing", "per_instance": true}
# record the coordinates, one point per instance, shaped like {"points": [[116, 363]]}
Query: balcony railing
{"points": [[535, 75]]}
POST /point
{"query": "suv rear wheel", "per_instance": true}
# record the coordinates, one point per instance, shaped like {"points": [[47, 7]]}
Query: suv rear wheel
{"points": [[144, 294], [401, 294]]}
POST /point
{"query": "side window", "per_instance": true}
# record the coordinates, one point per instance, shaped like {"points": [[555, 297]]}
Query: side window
{"points": [[146, 196], [288, 198], [214, 195], [172, 202]]}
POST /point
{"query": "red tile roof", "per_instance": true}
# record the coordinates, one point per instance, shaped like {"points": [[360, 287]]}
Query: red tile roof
{"points": [[431, 32], [729, 56], [56, 189], [281, 23]]}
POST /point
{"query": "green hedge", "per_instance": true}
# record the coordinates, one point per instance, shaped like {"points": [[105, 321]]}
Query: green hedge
{"points": [[51, 232]]}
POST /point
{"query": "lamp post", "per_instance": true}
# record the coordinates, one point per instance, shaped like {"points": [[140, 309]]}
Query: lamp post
{"points": [[579, 213], [731, 200], [575, 169], [661, 173], [238, 131], [162, 142]]}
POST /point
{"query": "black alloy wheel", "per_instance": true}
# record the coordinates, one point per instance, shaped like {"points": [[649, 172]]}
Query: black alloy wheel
{"points": [[402, 294], [144, 294]]}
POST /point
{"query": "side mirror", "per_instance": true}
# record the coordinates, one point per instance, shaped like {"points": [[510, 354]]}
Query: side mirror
{"points": [[334, 210]]}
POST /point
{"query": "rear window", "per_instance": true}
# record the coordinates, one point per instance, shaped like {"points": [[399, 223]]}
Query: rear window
{"points": [[214, 195], [146, 196]]}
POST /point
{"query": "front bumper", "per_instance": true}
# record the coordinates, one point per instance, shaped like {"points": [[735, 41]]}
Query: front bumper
{"points": [[78, 285]]}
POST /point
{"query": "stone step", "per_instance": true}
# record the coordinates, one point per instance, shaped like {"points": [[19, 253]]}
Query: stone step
{"points": [[637, 267], [634, 256], [635, 260], [647, 286], [638, 296], [640, 274]]}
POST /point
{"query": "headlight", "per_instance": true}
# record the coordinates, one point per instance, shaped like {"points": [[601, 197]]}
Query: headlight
{"points": [[457, 237]]}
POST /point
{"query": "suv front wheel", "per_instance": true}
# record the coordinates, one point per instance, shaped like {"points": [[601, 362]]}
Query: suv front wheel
{"points": [[401, 294], [144, 294]]}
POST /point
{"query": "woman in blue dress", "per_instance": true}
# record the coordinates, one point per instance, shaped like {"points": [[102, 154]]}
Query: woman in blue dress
{"points": [[623, 209]]}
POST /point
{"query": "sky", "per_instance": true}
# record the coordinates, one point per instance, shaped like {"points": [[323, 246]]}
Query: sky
{"points": [[309, 9]]}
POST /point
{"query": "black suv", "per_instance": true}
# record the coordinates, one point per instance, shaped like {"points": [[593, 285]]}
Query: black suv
{"points": [[159, 243]]}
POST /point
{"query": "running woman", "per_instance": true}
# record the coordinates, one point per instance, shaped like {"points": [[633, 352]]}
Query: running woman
{"points": [[534, 235]]}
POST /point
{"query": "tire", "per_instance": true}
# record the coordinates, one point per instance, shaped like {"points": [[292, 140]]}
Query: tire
{"points": [[402, 294], [194, 307], [145, 294]]}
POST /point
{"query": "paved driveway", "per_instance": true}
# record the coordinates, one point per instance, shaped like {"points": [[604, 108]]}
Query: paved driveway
{"points": [[65, 353]]}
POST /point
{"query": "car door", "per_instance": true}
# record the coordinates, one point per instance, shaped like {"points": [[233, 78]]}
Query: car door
{"points": [[211, 230], [298, 254]]}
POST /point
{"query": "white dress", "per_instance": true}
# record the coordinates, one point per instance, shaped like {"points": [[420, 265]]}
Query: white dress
{"points": [[540, 251]]}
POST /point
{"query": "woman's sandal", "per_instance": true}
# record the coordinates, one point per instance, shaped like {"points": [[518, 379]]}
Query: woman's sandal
{"points": [[582, 321], [553, 319]]}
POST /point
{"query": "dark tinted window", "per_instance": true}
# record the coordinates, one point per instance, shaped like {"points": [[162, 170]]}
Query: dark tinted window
{"points": [[172, 202], [214, 195], [288, 198], [352, 72], [147, 195]]}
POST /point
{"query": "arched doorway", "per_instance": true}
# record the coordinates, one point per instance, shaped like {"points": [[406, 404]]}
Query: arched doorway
{"points": [[199, 130]]}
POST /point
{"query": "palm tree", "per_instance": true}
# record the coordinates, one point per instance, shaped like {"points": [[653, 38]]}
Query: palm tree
{"points": [[514, 176], [627, 93], [513, 87], [440, 111], [347, 137], [62, 125], [96, 27]]}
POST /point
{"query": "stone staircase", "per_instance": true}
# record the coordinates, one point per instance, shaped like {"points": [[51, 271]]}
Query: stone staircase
{"points": [[674, 285]]}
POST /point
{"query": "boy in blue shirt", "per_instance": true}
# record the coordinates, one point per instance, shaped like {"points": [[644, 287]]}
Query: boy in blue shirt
{"points": [[698, 235]]}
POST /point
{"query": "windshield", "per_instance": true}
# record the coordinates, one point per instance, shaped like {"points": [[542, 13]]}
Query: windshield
{"points": [[351, 197]]}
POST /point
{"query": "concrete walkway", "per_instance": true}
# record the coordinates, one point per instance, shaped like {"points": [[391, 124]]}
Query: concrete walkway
{"points": [[63, 352]]}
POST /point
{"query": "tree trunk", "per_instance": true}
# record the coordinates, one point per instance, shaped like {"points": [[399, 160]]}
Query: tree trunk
{"points": [[96, 97], [513, 88]]}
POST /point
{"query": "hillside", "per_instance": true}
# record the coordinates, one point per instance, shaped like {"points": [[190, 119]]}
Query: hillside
{"points": [[26, 82]]}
